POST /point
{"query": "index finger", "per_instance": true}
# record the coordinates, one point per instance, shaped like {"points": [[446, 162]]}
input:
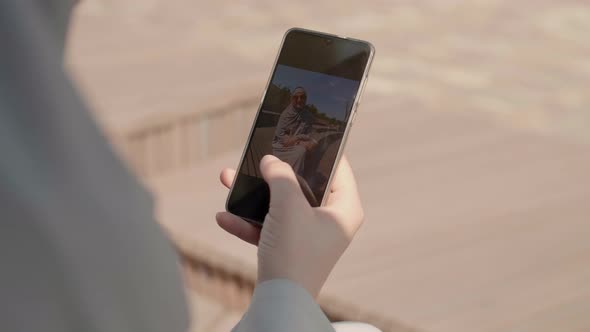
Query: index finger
{"points": [[343, 177]]}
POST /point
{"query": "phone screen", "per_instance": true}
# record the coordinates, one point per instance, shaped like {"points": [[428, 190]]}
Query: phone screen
{"points": [[303, 117]]}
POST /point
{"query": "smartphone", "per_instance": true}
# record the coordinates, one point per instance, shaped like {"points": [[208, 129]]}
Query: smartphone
{"points": [[305, 116]]}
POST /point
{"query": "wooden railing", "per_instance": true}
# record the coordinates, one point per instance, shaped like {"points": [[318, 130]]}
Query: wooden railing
{"points": [[168, 143], [232, 283]]}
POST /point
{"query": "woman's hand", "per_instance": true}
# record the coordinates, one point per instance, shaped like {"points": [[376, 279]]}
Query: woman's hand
{"points": [[298, 242]]}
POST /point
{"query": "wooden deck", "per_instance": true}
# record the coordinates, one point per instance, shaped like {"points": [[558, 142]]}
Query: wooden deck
{"points": [[471, 226], [471, 146]]}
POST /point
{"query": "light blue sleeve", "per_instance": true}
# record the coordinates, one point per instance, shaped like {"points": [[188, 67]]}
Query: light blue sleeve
{"points": [[282, 305]]}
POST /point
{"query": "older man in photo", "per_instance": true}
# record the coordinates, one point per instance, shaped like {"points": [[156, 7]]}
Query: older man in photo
{"points": [[292, 140]]}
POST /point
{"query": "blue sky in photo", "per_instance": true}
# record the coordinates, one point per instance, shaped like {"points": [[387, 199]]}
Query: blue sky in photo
{"points": [[330, 94]]}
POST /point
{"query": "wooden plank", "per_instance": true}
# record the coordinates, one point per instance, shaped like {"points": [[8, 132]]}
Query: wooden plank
{"points": [[471, 226]]}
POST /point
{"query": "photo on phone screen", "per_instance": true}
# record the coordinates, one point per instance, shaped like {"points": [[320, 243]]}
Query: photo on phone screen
{"points": [[303, 118]]}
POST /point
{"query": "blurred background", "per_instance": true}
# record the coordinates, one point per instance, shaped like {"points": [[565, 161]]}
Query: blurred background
{"points": [[471, 148]]}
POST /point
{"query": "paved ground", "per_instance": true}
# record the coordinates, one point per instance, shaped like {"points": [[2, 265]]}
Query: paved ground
{"points": [[471, 145]]}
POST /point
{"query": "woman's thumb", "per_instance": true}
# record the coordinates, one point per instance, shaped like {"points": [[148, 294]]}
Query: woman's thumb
{"points": [[280, 178]]}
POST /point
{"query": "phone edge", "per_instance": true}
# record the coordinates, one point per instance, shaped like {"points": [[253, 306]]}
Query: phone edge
{"points": [[352, 116]]}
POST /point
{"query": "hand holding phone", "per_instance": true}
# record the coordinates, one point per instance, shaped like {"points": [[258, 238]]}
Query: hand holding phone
{"points": [[299, 242]]}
